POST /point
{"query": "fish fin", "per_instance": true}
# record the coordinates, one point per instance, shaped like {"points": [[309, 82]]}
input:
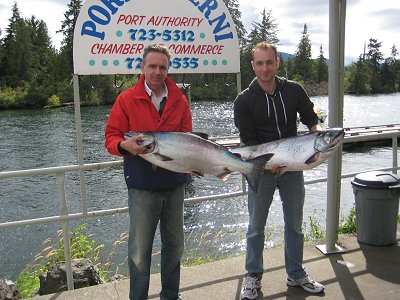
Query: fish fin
{"points": [[278, 170], [162, 157], [154, 167], [224, 175], [253, 179], [312, 159], [200, 134], [197, 173]]}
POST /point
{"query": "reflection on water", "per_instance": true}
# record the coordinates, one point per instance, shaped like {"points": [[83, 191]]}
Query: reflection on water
{"points": [[213, 229]]}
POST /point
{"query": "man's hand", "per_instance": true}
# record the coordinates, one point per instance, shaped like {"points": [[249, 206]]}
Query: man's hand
{"points": [[132, 145], [277, 170], [316, 128]]}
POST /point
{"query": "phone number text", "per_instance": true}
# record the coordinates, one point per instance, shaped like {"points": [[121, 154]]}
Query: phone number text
{"points": [[165, 35], [176, 63]]}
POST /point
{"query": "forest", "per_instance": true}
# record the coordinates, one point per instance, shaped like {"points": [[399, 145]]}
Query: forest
{"points": [[34, 74]]}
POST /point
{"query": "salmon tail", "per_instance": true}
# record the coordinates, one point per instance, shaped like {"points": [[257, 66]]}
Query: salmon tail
{"points": [[224, 175], [259, 162]]}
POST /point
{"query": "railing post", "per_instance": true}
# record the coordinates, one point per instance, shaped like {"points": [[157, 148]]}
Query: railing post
{"points": [[394, 148], [239, 89], [65, 229], [79, 142], [337, 18]]}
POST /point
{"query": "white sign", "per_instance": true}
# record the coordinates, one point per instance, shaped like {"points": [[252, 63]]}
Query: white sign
{"points": [[110, 36]]}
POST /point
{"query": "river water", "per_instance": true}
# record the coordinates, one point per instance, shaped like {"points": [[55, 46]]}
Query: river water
{"points": [[214, 229]]}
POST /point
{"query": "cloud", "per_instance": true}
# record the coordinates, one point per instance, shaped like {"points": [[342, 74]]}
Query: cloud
{"points": [[388, 18], [305, 9], [363, 21], [249, 14]]}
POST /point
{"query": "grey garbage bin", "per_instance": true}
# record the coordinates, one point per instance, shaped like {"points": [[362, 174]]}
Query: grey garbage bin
{"points": [[377, 205]]}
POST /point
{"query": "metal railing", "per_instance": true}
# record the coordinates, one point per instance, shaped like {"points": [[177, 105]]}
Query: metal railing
{"points": [[65, 217]]}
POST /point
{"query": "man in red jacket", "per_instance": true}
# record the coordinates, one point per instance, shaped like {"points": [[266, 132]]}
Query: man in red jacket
{"points": [[155, 195]]}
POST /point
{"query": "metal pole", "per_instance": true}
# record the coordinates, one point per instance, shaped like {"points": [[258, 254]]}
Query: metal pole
{"points": [[239, 90], [65, 229], [394, 149], [78, 125], [337, 13]]}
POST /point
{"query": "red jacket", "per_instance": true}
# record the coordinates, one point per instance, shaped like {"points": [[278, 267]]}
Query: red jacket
{"points": [[134, 111]]}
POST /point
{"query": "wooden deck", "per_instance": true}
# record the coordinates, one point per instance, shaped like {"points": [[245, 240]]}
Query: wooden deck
{"points": [[373, 135]]}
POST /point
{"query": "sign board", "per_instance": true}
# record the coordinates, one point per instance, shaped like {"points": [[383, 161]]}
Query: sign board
{"points": [[110, 36]]}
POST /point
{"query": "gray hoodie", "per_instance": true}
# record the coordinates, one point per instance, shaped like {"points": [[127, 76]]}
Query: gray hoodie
{"points": [[263, 118]]}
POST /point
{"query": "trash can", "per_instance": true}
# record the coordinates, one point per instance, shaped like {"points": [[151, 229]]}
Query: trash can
{"points": [[377, 205]]}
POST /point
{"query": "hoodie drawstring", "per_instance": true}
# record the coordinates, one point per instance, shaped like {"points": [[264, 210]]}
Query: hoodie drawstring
{"points": [[276, 115], [269, 114], [284, 108]]}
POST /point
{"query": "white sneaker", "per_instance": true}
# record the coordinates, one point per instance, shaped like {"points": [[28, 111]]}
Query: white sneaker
{"points": [[306, 283], [250, 288]]}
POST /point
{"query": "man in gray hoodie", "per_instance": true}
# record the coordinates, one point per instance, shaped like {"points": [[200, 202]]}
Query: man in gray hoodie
{"points": [[267, 111]]}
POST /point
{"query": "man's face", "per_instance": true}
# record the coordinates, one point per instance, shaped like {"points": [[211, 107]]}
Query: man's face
{"points": [[155, 70], [265, 65]]}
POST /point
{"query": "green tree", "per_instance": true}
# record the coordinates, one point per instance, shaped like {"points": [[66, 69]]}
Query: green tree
{"points": [[267, 29], [1, 54], [282, 71], [358, 78], [289, 69], [302, 61], [27, 61], [391, 72], [246, 70], [12, 28], [322, 67], [43, 51], [387, 77], [67, 29], [374, 58], [236, 14], [15, 50], [374, 55], [39, 63]]}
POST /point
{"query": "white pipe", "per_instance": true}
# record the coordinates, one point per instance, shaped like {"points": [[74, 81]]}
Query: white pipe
{"points": [[394, 148], [124, 210], [239, 90], [78, 125], [55, 170], [337, 12], [65, 230]]}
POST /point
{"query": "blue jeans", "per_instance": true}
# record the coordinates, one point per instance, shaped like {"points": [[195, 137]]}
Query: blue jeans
{"points": [[146, 209], [291, 191]]}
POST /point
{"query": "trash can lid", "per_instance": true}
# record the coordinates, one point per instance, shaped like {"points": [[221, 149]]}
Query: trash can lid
{"points": [[376, 179]]}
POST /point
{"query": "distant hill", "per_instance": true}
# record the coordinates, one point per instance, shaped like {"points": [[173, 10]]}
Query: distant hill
{"points": [[286, 56]]}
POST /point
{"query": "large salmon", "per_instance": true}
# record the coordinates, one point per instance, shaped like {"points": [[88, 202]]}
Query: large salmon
{"points": [[189, 153], [297, 153]]}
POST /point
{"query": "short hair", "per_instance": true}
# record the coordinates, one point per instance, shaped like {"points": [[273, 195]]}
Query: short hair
{"points": [[264, 46], [156, 48]]}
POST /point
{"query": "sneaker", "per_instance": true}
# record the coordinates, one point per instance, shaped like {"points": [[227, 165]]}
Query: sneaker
{"points": [[306, 283], [250, 287]]}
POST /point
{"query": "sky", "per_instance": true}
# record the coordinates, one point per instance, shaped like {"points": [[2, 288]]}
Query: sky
{"points": [[365, 19]]}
